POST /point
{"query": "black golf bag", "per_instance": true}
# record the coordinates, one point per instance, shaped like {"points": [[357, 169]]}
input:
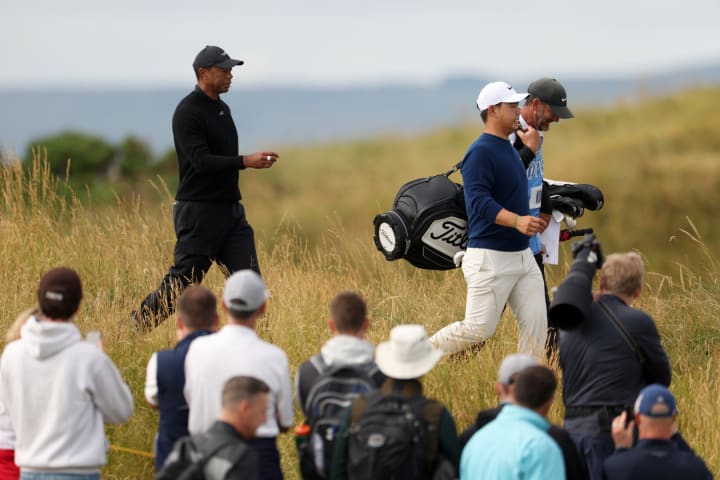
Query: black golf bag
{"points": [[427, 225]]}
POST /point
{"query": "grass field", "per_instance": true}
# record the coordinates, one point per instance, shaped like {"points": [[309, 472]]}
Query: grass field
{"points": [[658, 163]]}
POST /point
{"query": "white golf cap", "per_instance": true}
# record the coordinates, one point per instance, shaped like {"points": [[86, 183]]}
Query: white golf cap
{"points": [[498, 92], [244, 292], [407, 354]]}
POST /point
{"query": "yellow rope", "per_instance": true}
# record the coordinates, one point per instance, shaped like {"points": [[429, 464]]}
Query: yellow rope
{"points": [[132, 450]]}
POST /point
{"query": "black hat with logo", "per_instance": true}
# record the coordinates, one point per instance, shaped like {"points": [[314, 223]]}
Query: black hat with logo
{"points": [[212, 56], [553, 93]]}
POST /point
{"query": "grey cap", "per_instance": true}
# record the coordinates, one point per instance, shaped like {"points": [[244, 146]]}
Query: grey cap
{"points": [[244, 292], [512, 364], [553, 93]]}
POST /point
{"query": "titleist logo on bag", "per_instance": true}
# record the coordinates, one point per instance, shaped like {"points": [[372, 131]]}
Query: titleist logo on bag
{"points": [[447, 235]]}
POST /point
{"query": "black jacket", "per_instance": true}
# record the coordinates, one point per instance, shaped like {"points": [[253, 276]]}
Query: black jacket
{"points": [[656, 459], [225, 454], [599, 368]]}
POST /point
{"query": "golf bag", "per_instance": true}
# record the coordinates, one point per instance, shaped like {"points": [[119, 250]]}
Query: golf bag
{"points": [[427, 225]]}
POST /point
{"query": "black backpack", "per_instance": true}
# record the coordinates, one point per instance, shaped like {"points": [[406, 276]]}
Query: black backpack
{"points": [[392, 437], [333, 392], [427, 225], [187, 461]]}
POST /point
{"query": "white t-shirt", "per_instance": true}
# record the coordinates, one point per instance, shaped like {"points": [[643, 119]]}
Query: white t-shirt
{"points": [[236, 350]]}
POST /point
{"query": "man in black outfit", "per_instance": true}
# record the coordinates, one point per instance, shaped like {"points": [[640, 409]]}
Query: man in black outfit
{"points": [[510, 367], [209, 219], [602, 374], [223, 451]]}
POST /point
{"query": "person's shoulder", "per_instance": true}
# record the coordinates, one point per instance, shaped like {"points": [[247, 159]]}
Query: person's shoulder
{"points": [[307, 370], [200, 347], [189, 104], [273, 351], [12, 348]]}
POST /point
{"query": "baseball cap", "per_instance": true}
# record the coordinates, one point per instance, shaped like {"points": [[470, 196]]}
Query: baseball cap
{"points": [[212, 56], [59, 293], [244, 292], [553, 93], [656, 401], [512, 364], [498, 92]]}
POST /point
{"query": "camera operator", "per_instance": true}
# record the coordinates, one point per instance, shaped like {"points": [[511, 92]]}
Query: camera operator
{"points": [[609, 351]]}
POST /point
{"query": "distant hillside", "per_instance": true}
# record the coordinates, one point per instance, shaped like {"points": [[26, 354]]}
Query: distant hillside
{"points": [[287, 116]]}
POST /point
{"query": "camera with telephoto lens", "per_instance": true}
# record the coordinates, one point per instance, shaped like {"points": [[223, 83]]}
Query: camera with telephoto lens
{"points": [[572, 300]]}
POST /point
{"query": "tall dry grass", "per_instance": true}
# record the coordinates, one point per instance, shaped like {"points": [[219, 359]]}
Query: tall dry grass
{"points": [[122, 252], [312, 213]]}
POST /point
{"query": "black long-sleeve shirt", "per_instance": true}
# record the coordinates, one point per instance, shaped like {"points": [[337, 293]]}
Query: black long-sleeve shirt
{"points": [[599, 368], [206, 143]]}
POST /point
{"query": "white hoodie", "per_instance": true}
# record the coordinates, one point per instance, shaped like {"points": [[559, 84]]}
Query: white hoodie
{"points": [[59, 390], [347, 350]]}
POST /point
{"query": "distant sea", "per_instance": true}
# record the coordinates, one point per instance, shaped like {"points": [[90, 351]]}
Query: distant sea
{"points": [[276, 117]]}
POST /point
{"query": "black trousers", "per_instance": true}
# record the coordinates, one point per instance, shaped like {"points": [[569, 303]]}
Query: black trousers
{"points": [[206, 232]]}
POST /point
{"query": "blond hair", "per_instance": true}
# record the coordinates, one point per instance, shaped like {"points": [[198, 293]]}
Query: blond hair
{"points": [[623, 273], [13, 333]]}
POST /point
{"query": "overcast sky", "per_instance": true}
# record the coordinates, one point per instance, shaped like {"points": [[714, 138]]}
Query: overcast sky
{"points": [[337, 42]]}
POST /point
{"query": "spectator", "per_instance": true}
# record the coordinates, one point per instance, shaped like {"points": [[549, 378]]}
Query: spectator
{"points": [[223, 451], [516, 445], [8, 469], [661, 453], [509, 368], [602, 373], [329, 382], [237, 350], [404, 359], [196, 316], [348, 325], [498, 266], [60, 390]]}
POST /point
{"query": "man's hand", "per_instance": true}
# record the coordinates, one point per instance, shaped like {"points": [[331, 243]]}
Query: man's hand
{"points": [[260, 159], [530, 225], [622, 434], [530, 138], [547, 217]]}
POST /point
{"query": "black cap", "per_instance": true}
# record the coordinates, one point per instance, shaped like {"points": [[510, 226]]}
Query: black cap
{"points": [[553, 93], [212, 56], [59, 293]]}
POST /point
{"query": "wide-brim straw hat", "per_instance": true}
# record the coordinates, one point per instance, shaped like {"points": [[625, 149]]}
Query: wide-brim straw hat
{"points": [[407, 354]]}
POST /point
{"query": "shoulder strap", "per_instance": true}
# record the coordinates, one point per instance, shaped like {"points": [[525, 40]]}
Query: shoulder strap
{"points": [[624, 333], [431, 413], [454, 169], [319, 363], [199, 466]]}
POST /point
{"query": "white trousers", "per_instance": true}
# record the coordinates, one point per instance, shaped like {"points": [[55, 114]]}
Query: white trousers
{"points": [[493, 279]]}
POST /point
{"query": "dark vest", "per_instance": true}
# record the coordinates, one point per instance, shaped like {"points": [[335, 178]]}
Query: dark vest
{"points": [[171, 400]]}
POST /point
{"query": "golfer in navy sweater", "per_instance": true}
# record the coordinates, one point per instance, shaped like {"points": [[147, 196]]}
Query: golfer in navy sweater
{"points": [[499, 267]]}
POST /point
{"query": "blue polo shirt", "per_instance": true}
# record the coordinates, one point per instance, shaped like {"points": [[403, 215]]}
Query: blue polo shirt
{"points": [[513, 446], [494, 178]]}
